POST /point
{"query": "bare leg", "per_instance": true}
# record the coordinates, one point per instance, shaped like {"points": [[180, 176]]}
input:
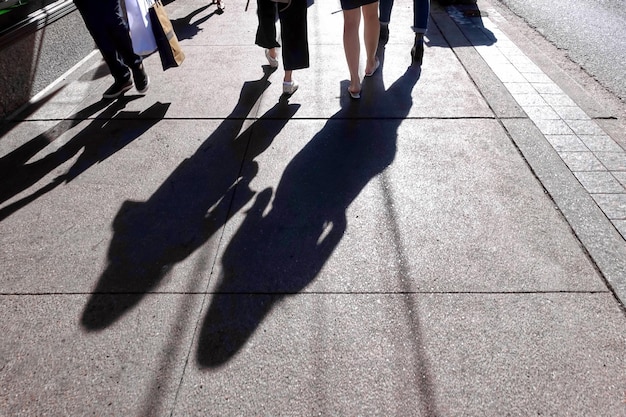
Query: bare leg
{"points": [[352, 45], [371, 32]]}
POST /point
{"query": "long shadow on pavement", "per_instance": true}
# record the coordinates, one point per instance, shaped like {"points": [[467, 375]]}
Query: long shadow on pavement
{"points": [[100, 139], [150, 237], [468, 18], [185, 29], [278, 251]]}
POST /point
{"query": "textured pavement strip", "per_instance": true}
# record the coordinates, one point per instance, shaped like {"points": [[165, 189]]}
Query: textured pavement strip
{"points": [[596, 160]]}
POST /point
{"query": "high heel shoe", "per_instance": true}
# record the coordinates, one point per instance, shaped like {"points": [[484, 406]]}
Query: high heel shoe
{"points": [[417, 51]]}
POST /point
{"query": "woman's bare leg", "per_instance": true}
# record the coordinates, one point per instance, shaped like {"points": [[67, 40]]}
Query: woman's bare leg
{"points": [[371, 31], [352, 45]]}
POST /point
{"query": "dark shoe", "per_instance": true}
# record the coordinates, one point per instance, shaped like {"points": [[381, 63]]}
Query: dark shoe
{"points": [[417, 52], [142, 82], [118, 88]]}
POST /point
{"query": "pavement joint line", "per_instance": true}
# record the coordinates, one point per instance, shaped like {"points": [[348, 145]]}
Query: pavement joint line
{"points": [[521, 292], [268, 118]]}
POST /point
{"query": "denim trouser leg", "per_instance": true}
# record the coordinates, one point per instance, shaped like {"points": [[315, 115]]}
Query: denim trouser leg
{"points": [[421, 10], [107, 26], [384, 7]]}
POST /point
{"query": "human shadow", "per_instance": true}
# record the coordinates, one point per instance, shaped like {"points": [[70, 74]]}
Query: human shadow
{"points": [[467, 17], [100, 139], [288, 235], [150, 237], [185, 29], [11, 121]]}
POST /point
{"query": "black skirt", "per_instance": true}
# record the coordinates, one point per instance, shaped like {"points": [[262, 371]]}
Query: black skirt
{"points": [[353, 4]]}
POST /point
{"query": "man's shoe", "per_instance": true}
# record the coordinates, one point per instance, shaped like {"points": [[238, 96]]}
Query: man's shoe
{"points": [[142, 82], [118, 88]]}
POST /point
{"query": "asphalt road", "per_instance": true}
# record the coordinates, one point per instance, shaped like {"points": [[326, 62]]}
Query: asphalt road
{"points": [[593, 32]]}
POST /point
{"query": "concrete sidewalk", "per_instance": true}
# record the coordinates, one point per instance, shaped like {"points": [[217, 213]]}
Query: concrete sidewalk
{"points": [[212, 248]]}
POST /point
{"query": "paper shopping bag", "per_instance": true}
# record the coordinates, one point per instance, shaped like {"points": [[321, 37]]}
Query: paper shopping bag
{"points": [[167, 43]]}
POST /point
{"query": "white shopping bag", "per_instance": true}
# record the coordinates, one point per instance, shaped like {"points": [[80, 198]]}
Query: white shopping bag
{"points": [[140, 27]]}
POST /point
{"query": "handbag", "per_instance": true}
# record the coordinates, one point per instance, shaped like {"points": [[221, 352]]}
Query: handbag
{"points": [[167, 43], [140, 27]]}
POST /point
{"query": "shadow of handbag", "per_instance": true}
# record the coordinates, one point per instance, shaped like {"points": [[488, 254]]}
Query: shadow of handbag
{"points": [[167, 43]]}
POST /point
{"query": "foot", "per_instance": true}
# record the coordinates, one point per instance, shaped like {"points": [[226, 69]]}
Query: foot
{"points": [[142, 82], [354, 93], [417, 52], [374, 69], [272, 60], [290, 87], [118, 88]]}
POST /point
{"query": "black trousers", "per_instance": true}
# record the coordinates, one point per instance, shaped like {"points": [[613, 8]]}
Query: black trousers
{"points": [[293, 31], [107, 25]]}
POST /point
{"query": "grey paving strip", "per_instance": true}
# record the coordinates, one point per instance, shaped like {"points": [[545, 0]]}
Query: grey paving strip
{"points": [[577, 138], [589, 184]]}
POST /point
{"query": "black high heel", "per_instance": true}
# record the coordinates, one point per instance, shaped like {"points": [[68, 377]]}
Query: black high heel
{"points": [[417, 51]]}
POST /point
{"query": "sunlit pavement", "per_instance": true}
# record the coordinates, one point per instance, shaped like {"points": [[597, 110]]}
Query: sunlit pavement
{"points": [[450, 244]]}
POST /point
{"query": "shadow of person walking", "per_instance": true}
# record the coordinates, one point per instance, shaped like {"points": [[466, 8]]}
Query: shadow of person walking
{"points": [[100, 139], [185, 211], [287, 236], [468, 18], [185, 29]]}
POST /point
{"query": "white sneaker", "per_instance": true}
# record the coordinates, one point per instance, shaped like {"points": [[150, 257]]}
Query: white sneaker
{"points": [[272, 61], [290, 87]]}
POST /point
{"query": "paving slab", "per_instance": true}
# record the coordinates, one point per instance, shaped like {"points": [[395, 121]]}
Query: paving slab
{"points": [[53, 365], [80, 198], [341, 204], [446, 354]]}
